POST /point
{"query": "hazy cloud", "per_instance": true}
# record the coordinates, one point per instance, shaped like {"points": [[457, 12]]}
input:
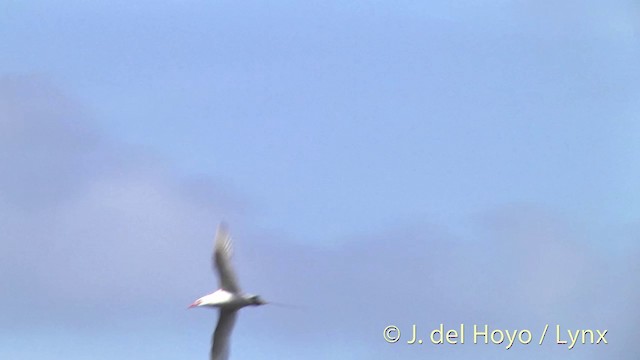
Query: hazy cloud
{"points": [[84, 219], [95, 235]]}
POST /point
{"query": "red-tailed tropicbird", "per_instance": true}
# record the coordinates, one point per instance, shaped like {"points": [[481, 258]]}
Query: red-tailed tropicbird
{"points": [[229, 298]]}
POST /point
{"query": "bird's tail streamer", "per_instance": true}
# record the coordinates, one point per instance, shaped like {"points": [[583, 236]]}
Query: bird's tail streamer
{"points": [[279, 304]]}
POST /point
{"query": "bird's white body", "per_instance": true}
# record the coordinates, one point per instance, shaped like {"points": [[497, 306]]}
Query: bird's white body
{"points": [[224, 299], [219, 298]]}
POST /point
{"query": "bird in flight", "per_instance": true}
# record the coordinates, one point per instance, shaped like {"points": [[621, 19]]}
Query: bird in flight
{"points": [[228, 299]]}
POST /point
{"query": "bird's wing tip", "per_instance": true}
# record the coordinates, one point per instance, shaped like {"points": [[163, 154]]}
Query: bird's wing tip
{"points": [[223, 229]]}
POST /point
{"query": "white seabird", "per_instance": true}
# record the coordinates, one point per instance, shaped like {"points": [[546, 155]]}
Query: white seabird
{"points": [[229, 298]]}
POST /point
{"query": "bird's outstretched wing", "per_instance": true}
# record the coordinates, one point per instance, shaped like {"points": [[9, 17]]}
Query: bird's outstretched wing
{"points": [[222, 260], [222, 335]]}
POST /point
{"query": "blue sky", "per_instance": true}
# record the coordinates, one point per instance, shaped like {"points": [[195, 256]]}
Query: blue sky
{"points": [[476, 148]]}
